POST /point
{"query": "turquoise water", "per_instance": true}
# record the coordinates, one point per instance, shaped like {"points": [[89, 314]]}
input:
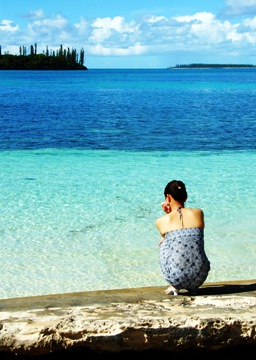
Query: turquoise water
{"points": [[78, 220], [84, 159]]}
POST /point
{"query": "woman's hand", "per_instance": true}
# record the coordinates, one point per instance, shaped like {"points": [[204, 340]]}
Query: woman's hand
{"points": [[166, 207]]}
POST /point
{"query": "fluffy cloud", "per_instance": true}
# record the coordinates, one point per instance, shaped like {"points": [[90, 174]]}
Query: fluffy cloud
{"points": [[111, 29], [49, 24], [250, 24], [8, 27], [205, 28]]}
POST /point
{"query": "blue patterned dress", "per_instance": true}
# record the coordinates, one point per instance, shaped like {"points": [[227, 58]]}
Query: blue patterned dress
{"points": [[183, 261]]}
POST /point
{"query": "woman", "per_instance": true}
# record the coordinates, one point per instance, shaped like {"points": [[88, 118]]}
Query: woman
{"points": [[183, 261]]}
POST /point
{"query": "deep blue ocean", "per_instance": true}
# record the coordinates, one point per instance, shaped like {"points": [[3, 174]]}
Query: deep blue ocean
{"points": [[147, 110], [84, 159]]}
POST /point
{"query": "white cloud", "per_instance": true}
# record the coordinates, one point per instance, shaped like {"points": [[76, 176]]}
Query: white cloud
{"points": [[200, 16], [58, 22], [205, 29], [34, 14], [241, 3], [240, 7], [99, 49], [8, 26], [114, 36], [250, 23], [117, 23], [234, 36], [82, 26], [50, 31], [105, 28], [156, 19]]}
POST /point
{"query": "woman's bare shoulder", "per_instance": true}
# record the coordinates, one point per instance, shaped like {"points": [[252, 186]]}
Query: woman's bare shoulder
{"points": [[161, 219], [196, 213], [195, 210], [196, 216]]}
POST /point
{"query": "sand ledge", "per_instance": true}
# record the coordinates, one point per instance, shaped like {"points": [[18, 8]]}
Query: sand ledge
{"points": [[221, 316]]}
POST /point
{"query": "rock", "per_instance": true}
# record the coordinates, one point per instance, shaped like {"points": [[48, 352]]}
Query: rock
{"points": [[221, 316]]}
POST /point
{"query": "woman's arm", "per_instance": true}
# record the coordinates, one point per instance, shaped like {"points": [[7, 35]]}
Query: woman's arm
{"points": [[158, 226]]}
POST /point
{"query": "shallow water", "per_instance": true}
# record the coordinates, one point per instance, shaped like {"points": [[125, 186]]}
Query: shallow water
{"points": [[76, 220]]}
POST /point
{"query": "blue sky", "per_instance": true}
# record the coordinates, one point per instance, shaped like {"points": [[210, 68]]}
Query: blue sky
{"points": [[134, 33]]}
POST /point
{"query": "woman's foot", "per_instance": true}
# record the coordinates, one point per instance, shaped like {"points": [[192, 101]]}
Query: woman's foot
{"points": [[171, 290]]}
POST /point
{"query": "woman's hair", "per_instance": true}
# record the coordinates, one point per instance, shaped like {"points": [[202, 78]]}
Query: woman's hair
{"points": [[177, 190]]}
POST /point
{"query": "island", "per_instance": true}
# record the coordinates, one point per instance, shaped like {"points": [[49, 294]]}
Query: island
{"points": [[62, 59], [209, 66]]}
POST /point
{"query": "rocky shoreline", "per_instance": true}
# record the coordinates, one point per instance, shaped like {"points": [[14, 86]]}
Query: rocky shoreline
{"points": [[141, 322]]}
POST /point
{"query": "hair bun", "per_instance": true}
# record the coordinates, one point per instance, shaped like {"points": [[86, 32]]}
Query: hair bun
{"points": [[177, 189]]}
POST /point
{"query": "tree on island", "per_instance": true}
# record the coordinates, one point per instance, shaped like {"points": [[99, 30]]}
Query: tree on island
{"points": [[62, 59]]}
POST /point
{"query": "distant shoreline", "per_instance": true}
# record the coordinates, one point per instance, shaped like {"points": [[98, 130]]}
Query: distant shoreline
{"points": [[212, 66]]}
